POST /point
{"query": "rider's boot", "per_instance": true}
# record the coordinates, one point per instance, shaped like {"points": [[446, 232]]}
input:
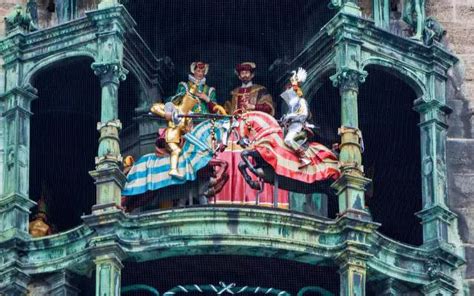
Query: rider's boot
{"points": [[304, 161], [173, 172]]}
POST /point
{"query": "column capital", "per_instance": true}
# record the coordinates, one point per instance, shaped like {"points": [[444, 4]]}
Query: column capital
{"points": [[348, 79], [7, 201], [426, 104], [436, 211], [109, 72], [350, 181], [18, 99]]}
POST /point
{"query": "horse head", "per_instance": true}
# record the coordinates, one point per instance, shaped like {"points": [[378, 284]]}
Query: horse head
{"points": [[256, 125]]}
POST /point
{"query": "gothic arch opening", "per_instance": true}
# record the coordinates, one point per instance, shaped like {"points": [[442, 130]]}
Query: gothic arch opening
{"points": [[64, 140], [205, 270], [392, 149], [392, 154]]}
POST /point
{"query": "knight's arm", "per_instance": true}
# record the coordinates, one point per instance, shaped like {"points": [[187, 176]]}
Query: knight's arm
{"points": [[158, 109], [212, 94], [303, 111], [265, 103], [212, 105], [212, 99]]}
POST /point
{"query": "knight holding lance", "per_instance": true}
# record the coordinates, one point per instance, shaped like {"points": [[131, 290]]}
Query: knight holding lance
{"points": [[192, 97], [295, 121]]}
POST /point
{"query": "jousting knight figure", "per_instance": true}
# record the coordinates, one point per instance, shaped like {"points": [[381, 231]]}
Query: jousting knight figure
{"points": [[295, 121], [177, 126], [193, 96]]}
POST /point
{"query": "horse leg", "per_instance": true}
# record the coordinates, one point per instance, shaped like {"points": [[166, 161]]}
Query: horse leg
{"points": [[243, 165], [255, 169]]}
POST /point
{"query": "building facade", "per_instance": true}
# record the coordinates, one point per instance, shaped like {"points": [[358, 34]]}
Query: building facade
{"points": [[390, 91]]}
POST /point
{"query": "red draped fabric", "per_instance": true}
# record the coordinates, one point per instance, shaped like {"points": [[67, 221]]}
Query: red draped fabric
{"points": [[237, 191], [267, 138]]}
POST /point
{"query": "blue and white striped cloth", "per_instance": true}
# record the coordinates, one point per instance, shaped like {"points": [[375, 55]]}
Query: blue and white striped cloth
{"points": [[150, 172]]}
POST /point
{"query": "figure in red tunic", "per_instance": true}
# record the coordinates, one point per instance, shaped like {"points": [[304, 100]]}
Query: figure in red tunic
{"points": [[247, 97]]}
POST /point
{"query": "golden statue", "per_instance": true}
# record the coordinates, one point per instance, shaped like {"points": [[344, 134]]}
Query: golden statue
{"points": [[39, 226], [177, 126], [193, 96]]}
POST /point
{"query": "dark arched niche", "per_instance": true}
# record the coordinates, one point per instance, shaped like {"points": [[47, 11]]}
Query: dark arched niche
{"points": [[392, 154], [64, 139], [392, 148]]}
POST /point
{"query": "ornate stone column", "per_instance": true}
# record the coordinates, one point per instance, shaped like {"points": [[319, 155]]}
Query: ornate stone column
{"points": [[350, 187], [381, 13], [108, 275], [109, 178], [15, 202], [352, 273], [111, 24], [354, 255], [435, 215]]}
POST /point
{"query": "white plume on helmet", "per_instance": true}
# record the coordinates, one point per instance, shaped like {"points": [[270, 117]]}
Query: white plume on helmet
{"points": [[300, 75]]}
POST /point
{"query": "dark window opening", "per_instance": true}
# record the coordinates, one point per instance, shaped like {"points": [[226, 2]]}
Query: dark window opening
{"points": [[392, 154], [64, 140]]}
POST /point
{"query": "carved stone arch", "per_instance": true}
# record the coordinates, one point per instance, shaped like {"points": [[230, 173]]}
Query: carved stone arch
{"points": [[315, 83], [31, 69], [140, 78], [404, 73]]}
